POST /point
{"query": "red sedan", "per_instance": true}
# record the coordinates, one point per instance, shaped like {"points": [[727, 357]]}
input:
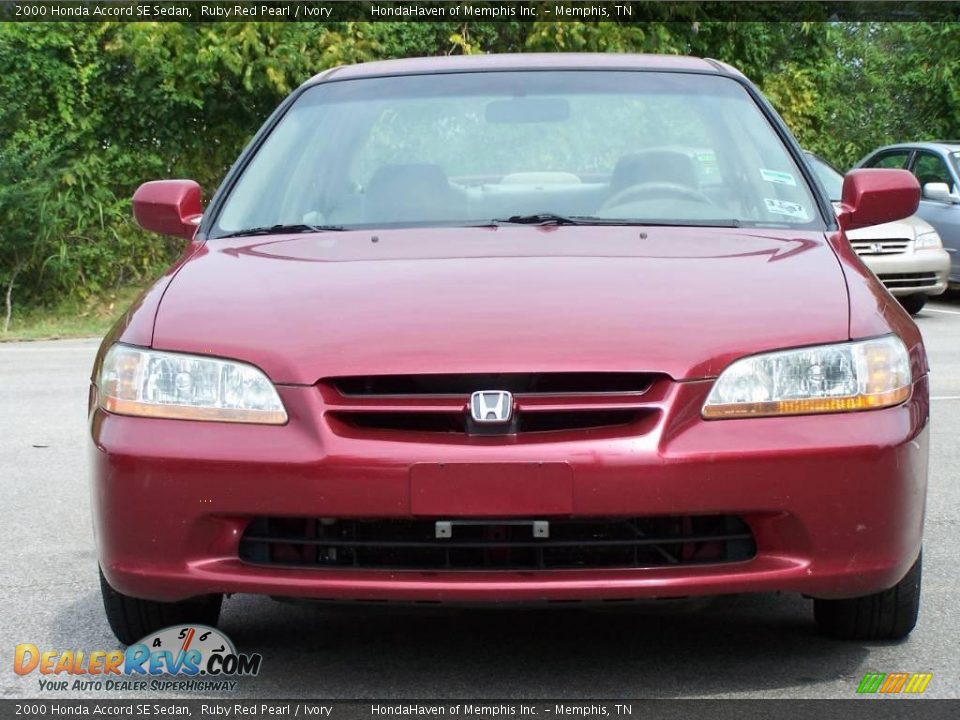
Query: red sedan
{"points": [[524, 328]]}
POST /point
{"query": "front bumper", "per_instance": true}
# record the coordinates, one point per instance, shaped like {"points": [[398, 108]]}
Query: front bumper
{"points": [[835, 502], [922, 272]]}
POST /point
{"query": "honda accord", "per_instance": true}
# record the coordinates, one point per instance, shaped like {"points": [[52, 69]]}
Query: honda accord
{"points": [[515, 329]]}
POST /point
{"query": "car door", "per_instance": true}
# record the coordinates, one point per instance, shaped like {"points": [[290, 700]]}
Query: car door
{"points": [[943, 214]]}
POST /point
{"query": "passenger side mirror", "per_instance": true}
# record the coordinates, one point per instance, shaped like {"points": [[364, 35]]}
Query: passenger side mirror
{"points": [[169, 207], [938, 191], [874, 197]]}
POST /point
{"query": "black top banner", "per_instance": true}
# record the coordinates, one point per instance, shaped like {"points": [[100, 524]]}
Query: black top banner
{"points": [[621, 11]]}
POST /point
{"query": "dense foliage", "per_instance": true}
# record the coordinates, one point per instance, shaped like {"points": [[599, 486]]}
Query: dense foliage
{"points": [[88, 111]]}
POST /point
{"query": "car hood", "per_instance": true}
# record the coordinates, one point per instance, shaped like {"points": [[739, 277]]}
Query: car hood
{"points": [[906, 229], [681, 301]]}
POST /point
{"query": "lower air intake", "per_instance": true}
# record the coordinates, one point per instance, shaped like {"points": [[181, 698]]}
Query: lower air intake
{"points": [[397, 544]]}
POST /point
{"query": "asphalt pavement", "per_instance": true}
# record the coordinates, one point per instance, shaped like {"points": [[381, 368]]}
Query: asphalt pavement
{"points": [[746, 646]]}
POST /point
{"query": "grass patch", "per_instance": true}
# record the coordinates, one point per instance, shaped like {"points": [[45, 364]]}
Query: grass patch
{"points": [[71, 318]]}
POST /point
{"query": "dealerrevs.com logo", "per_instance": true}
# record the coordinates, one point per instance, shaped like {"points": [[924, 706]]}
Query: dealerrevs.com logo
{"points": [[179, 658]]}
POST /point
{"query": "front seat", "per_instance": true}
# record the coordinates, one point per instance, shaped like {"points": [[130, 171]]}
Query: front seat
{"points": [[411, 192], [651, 166]]}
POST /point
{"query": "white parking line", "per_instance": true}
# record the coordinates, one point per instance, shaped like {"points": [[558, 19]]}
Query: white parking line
{"points": [[945, 312], [947, 397]]}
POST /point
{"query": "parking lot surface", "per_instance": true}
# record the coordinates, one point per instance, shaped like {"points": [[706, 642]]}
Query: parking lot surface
{"points": [[745, 646]]}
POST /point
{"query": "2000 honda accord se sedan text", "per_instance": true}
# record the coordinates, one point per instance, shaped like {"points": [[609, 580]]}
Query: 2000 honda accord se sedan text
{"points": [[515, 329]]}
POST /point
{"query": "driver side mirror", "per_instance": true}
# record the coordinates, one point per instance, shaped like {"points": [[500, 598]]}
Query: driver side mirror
{"points": [[938, 191], [874, 196], [169, 207]]}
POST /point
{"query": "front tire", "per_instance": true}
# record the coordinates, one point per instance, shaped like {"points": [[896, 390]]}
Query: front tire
{"points": [[132, 619], [913, 303], [887, 615]]}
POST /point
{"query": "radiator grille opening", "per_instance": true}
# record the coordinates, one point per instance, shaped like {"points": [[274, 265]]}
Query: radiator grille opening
{"points": [[401, 544], [880, 247], [542, 402], [517, 383]]}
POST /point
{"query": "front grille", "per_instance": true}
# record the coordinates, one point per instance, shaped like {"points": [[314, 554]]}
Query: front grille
{"points": [[880, 247], [543, 402], [894, 281], [400, 544]]}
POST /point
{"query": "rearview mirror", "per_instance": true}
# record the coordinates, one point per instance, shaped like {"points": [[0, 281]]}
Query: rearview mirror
{"points": [[169, 207], [527, 110], [874, 196], [937, 191]]}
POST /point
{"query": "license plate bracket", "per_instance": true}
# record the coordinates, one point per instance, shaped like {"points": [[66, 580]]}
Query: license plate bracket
{"points": [[444, 529]]}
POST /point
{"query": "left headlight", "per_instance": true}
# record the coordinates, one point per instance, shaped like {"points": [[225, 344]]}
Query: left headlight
{"points": [[861, 375], [135, 381]]}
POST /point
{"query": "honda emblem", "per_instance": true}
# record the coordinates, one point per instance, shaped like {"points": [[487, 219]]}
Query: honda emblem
{"points": [[491, 406]]}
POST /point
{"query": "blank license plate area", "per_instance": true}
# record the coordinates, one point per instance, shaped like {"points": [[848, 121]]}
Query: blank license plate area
{"points": [[491, 489]]}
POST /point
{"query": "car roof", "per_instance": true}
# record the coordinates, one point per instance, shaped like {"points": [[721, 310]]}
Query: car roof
{"points": [[934, 145], [526, 61]]}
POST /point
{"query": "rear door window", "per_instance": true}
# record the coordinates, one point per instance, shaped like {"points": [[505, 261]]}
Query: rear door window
{"points": [[894, 159]]}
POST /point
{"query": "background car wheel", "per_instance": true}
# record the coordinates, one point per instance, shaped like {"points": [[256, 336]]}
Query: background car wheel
{"points": [[132, 618], [913, 303], [887, 615]]}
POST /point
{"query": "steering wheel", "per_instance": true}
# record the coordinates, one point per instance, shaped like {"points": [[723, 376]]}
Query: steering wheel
{"points": [[650, 190]]}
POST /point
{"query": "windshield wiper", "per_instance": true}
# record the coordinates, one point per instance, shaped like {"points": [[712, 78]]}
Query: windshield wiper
{"points": [[555, 219], [281, 229], [545, 218]]}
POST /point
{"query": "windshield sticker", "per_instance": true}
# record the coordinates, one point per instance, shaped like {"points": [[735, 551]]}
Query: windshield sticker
{"points": [[785, 207], [781, 178], [709, 169]]}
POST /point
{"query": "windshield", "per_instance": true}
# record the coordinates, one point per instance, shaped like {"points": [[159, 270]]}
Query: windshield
{"points": [[831, 180], [477, 148]]}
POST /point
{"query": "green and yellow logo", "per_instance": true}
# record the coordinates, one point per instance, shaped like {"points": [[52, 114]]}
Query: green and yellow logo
{"points": [[892, 683]]}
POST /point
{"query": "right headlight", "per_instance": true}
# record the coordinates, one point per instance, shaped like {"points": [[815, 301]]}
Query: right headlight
{"points": [[151, 383], [860, 375], [927, 240]]}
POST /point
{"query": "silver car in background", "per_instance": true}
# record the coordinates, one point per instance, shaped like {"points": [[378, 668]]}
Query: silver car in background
{"points": [[906, 255], [936, 165]]}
